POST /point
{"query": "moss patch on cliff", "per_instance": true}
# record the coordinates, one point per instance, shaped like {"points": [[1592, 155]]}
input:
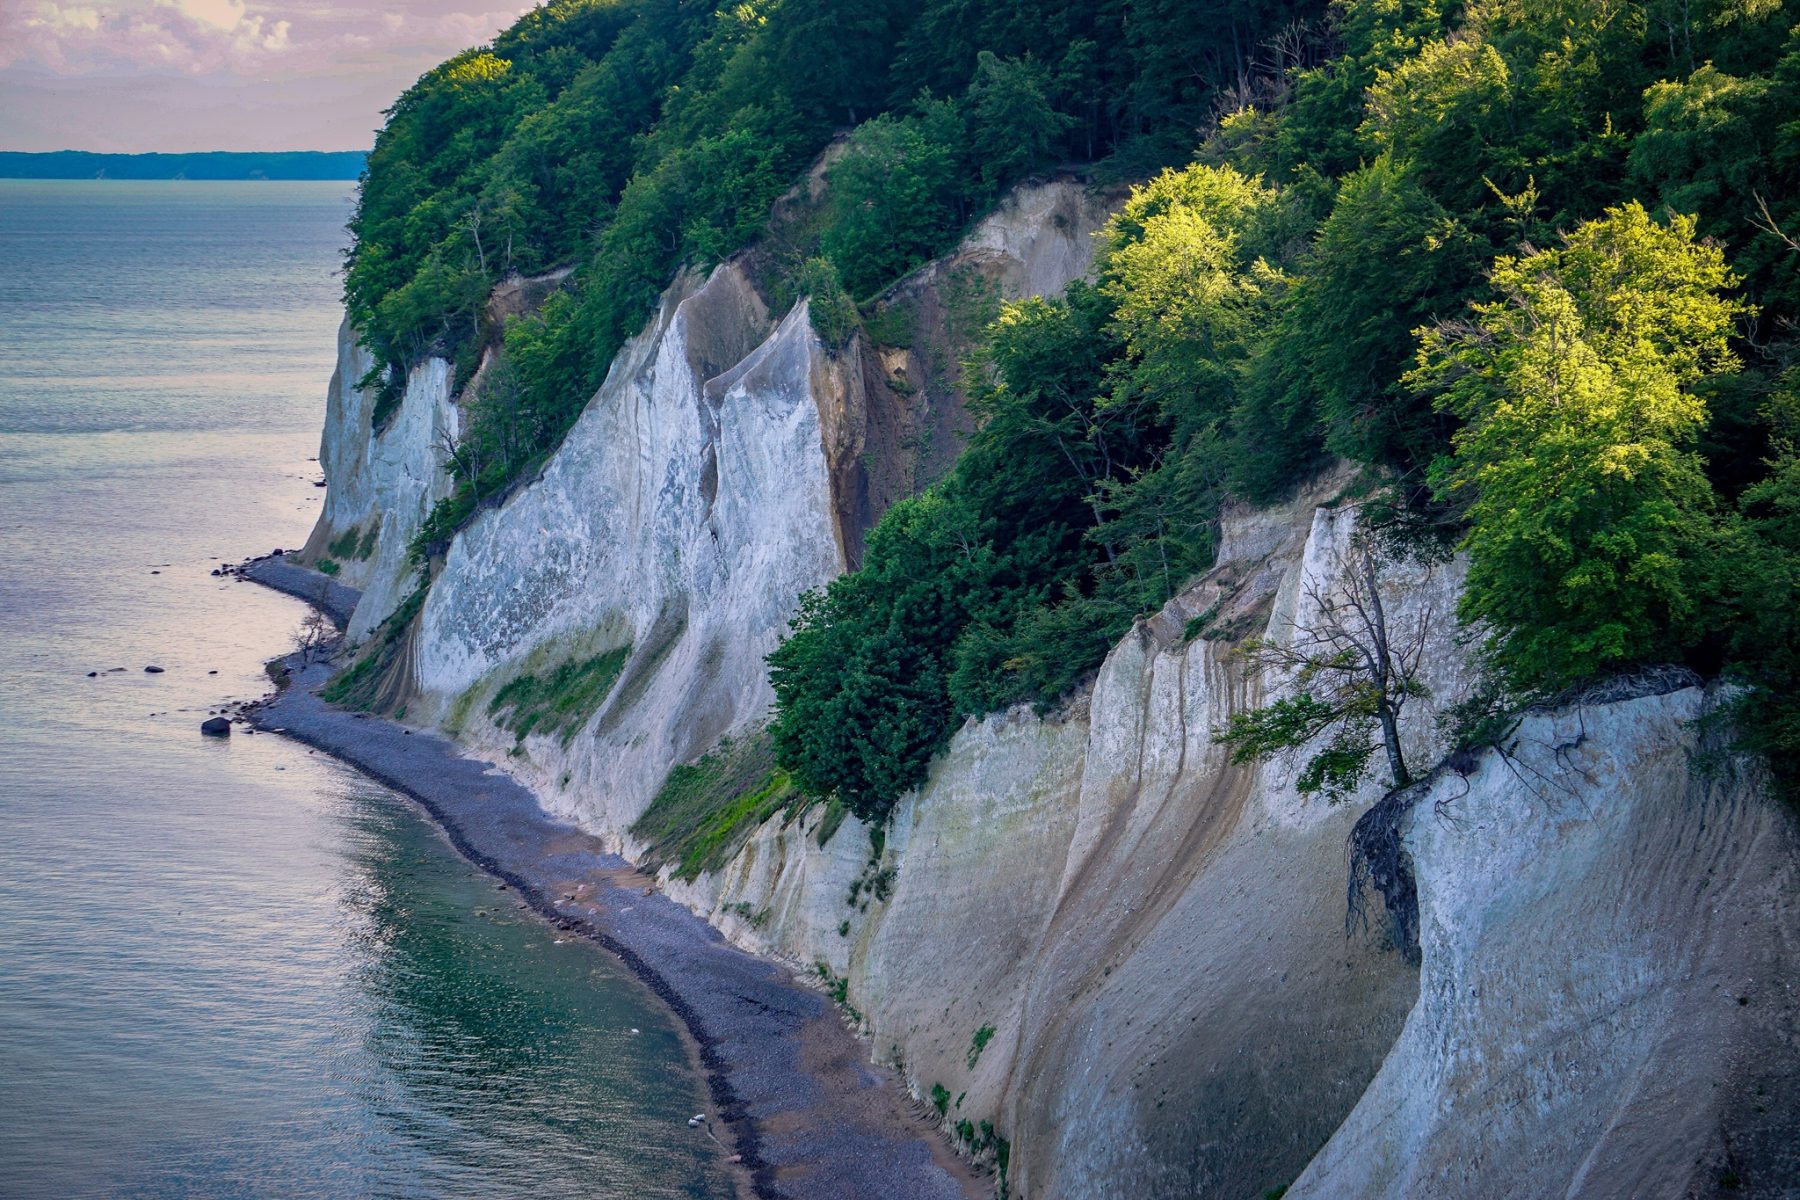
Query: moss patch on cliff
{"points": [[362, 684], [661, 640], [354, 543], [706, 809], [558, 701]]}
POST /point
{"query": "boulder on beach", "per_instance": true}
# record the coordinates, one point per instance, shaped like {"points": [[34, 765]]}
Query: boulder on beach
{"points": [[216, 727]]}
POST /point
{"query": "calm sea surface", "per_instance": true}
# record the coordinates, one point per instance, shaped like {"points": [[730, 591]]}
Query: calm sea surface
{"points": [[235, 968]]}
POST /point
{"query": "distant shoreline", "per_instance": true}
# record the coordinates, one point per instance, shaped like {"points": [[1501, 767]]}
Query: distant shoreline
{"points": [[286, 166]]}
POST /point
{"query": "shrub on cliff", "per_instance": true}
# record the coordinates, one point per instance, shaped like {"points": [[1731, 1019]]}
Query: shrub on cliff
{"points": [[832, 311], [892, 194]]}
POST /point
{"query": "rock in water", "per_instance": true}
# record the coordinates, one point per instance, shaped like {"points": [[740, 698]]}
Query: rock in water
{"points": [[216, 727], [153, 670]]}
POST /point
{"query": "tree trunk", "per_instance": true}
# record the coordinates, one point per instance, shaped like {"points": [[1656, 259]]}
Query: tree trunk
{"points": [[1390, 738]]}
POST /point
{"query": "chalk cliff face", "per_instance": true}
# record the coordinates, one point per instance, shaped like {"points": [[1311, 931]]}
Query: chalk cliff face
{"points": [[1090, 930], [381, 484], [683, 516], [1605, 1003], [729, 463], [1154, 935]]}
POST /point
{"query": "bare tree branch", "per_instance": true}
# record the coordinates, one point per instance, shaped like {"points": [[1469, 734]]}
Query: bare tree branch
{"points": [[1352, 671], [1765, 221], [317, 636]]}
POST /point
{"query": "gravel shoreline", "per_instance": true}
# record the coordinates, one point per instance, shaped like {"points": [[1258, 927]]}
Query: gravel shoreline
{"points": [[809, 1117], [274, 571]]}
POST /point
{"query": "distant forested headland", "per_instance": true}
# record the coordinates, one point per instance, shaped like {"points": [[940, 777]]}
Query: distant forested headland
{"points": [[219, 164]]}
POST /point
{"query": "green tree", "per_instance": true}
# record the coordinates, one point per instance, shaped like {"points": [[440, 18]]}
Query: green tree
{"points": [[832, 311], [1186, 296], [1388, 259], [881, 665], [860, 681], [1191, 302], [1706, 147], [1727, 148], [838, 51], [892, 197], [1013, 127], [1320, 127], [1764, 580], [1443, 110], [1592, 524]]}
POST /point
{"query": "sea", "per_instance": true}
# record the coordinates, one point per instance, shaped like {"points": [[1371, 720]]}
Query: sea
{"points": [[234, 967]]}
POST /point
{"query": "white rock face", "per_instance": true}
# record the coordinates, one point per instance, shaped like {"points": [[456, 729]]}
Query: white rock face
{"points": [[386, 482], [344, 452], [1608, 994], [1155, 936], [685, 513], [1041, 236], [1607, 1005], [691, 505]]}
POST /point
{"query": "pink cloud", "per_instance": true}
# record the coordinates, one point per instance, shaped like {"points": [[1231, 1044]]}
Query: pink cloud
{"points": [[220, 74], [233, 37]]}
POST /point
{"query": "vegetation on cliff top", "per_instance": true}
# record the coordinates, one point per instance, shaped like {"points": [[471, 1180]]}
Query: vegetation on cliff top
{"points": [[1533, 262], [629, 138]]}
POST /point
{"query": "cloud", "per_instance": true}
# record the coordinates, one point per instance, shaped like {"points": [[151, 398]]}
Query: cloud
{"points": [[226, 14], [291, 39], [211, 74]]}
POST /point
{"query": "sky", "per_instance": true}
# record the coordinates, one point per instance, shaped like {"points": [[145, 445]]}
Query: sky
{"points": [[178, 75]]}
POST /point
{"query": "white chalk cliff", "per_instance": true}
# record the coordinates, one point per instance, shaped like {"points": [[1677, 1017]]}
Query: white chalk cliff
{"points": [[1124, 953], [382, 483], [686, 512]]}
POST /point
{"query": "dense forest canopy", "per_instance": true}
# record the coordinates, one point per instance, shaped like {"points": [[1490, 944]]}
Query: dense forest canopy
{"points": [[1531, 262], [625, 137]]}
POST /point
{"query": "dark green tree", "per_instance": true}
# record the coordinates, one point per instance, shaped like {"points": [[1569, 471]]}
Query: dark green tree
{"points": [[1012, 126]]}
